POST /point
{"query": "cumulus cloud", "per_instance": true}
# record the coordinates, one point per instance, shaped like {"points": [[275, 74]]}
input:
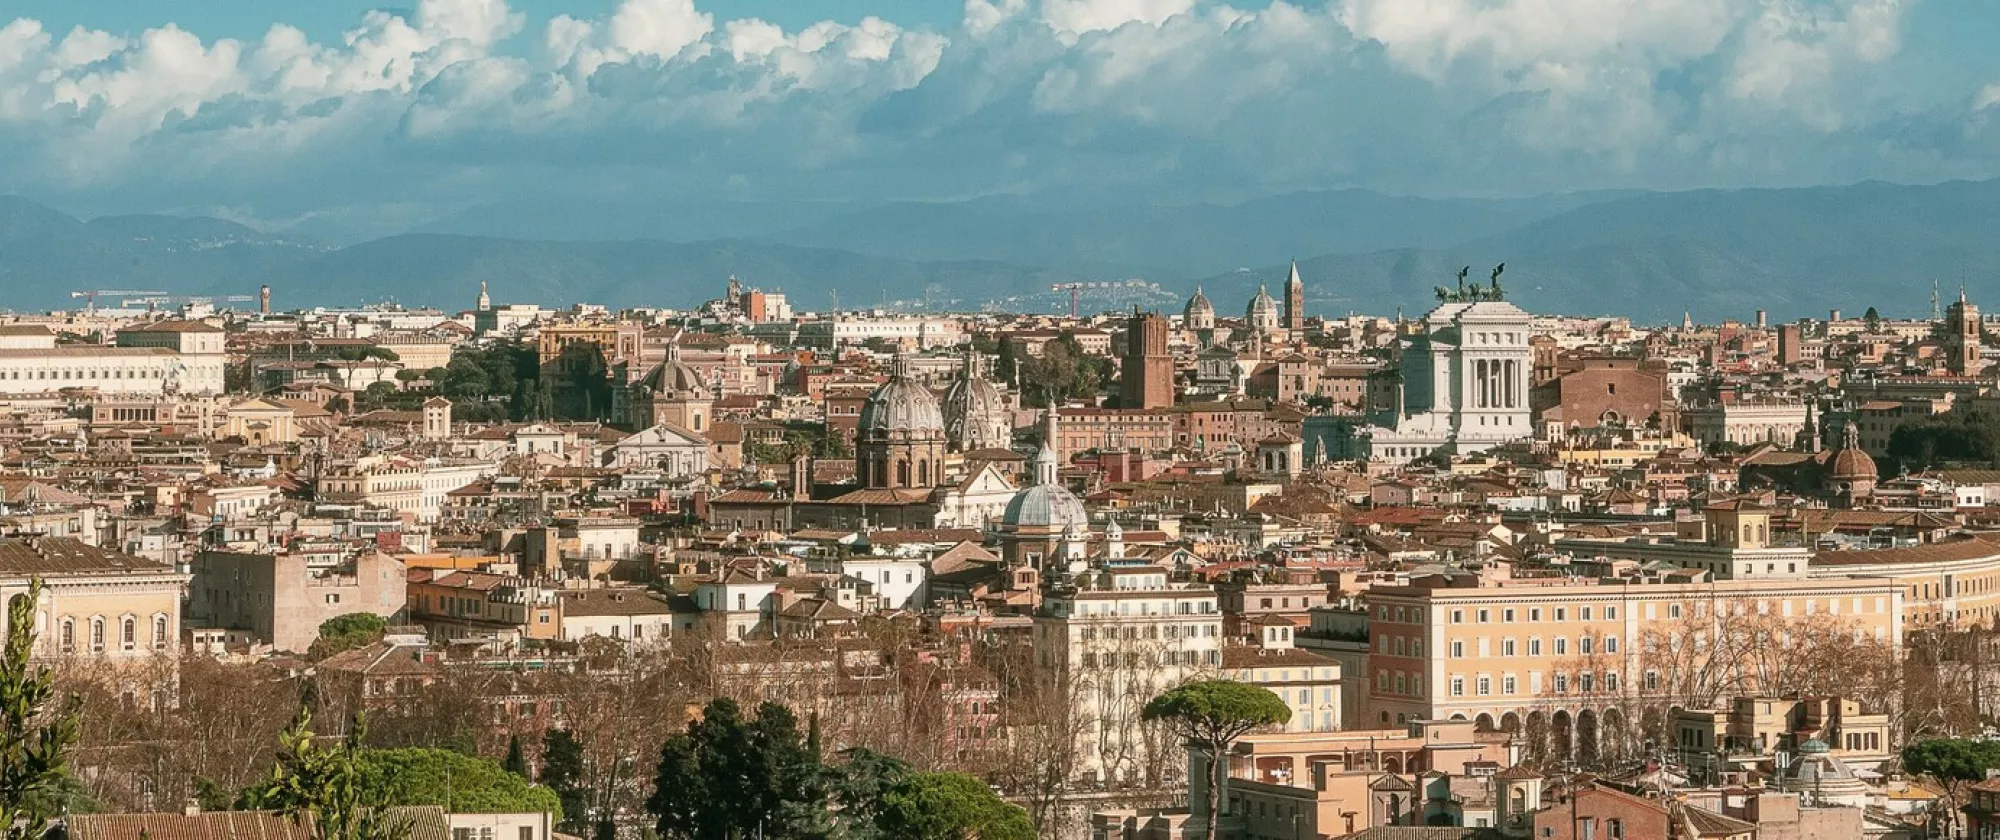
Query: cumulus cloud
{"points": [[458, 101]]}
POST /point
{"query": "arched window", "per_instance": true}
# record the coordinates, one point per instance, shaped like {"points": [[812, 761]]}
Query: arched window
{"points": [[923, 473], [97, 635], [159, 632], [68, 636], [128, 633], [902, 473]]}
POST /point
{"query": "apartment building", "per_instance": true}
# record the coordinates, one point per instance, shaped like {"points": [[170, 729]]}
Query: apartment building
{"points": [[1117, 637], [1568, 654]]}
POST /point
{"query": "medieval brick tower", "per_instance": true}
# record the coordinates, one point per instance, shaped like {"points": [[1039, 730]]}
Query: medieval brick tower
{"points": [[1146, 370]]}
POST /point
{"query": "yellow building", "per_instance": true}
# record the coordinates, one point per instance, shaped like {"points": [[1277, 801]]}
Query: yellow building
{"points": [[1955, 583], [1575, 654], [260, 423], [95, 603]]}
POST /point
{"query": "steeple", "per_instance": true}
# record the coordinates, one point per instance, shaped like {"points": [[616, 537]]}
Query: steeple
{"points": [[1295, 300], [485, 302]]}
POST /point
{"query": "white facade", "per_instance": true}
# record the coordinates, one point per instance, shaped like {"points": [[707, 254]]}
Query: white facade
{"points": [[1118, 643], [1464, 384], [124, 371], [898, 581]]}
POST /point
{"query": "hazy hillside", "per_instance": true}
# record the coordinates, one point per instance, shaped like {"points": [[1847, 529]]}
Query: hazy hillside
{"points": [[1653, 255], [1716, 253], [1159, 242], [446, 271]]}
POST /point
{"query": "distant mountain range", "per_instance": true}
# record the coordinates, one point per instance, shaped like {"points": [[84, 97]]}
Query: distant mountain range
{"points": [[1717, 253]]}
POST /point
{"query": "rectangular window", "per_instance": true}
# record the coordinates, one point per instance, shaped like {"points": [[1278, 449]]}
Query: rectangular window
{"points": [[1535, 614], [1562, 613], [1534, 647], [1485, 686], [1458, 616], [1584, 614], [1610, 613], [1482, 616], [1506, 685], [1507, 616], [1562, 646], [1458, 686], [1457, 650]]}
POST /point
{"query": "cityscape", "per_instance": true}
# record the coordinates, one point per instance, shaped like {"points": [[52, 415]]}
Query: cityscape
{"points": [[1000, 420], [1480, 572]]}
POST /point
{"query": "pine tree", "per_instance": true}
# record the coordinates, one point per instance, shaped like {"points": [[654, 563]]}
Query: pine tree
{"points": [[517, 760], [562, 772]]}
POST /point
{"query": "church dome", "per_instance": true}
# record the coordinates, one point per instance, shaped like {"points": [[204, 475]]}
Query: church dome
{"points": [[1851, 462], [1050, 506], [673, 376], [1262, 307], [901, 405], [971, 398], [1198, 307]]}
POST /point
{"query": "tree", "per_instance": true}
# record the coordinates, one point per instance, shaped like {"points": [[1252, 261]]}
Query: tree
{"points": [[347, 632], [462, 783], [36, 729], [1211, 715], [320, 788], [728, 775], [950, 806], [862, 787], [1953, 762], [562, 772], [1062, 372], [517, 759]]}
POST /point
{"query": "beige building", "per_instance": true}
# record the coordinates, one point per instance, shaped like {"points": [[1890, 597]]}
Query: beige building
{"points": [[415, 488], [1571, 655], [95, 602], [260, 423], [281, 600]]}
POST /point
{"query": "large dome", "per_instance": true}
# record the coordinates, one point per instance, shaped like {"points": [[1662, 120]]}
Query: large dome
{"points": [[1049, 506], [672, 377], [1851, 464], [901, 405], [1262, 306], [1198, 306], [970, 398]]}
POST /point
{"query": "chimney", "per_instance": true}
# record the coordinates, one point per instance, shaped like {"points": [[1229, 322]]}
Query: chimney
{"points": [[191, 808], [1761, 322]]}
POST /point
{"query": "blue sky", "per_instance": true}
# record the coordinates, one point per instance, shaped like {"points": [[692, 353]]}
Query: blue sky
{"points": [[269, 110]]}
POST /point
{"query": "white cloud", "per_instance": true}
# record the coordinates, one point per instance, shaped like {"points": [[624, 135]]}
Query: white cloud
{"points": [[463, 96]]}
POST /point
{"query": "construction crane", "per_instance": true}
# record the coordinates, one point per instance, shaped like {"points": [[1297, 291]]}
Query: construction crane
{"points": [[90, 296], [153, 300], [1074, 290]]}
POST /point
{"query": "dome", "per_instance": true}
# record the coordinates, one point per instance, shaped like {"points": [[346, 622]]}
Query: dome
{"points": [[1262, 306], [673, 376], [1049, 506], [901, 405], [972, 396], [1851, 463], [1198, 306]]}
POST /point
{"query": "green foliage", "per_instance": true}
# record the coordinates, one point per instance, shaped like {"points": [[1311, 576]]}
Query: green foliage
{"points": [[347, 632], [462, 783], [490, 383], [1951, 438], [36, 729], [562, 772], [1952, 759], [517, 759], [950, 806], [320, 788], [1063, 372], [1211, 715], [815, 440], [729, 775], [861, 788]]}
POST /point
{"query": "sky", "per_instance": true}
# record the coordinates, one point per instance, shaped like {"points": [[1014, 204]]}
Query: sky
{"points": [[268, 111]]}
